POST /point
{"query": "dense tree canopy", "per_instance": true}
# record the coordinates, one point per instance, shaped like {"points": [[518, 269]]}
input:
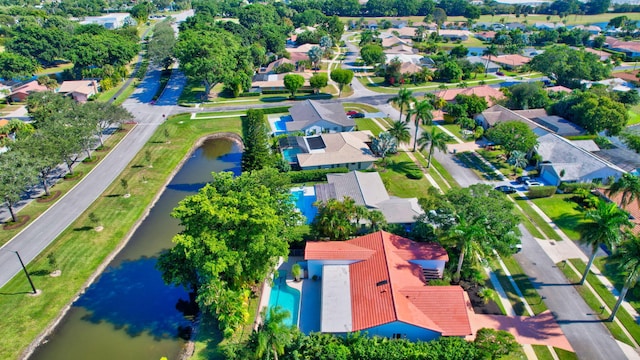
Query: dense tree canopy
{"points": [[568, 66], [512, 136], [594, 112], [527, 96], [15, 66]]}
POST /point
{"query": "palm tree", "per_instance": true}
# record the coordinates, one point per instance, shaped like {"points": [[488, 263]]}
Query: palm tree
{"points": [[602, 228], [627, 256], [629, 186], [273, 335], [435, 140], [518, 159], [404, 98], [376, 219], [467, 238], [490, 51], [422, 115], [400, 131]]}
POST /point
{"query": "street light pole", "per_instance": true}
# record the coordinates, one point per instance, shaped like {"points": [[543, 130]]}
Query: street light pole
{"points": [[25, 271]]}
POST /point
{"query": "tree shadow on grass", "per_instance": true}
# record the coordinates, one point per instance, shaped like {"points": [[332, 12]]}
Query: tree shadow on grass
{"points": [[401, 167]]}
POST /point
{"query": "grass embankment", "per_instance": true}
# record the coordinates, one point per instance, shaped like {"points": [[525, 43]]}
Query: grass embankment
{"points": [[34, 208], [610, 270], [79, 250], [593, 302], [544, 353], [564, 212]]}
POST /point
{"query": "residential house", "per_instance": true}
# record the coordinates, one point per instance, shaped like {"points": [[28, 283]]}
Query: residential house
{"points": [[409, 68], [269, 69], [454, 35], [372, 25], [378, 284], [420, 60], [564, 161], [79, 90], [110, 21], [367, 189], [515, 25], [630, 77], [558, 88], [613, 84], [547, 25], [490, 66], [632, 208], [392, 41], [491, 95], [401, 49], [398, 24], [485, 35], [510, 61], [603, 55], [312, 117], [331, 150], [630, 48], [20, 93], [534, 118], [593, 29], [299, 53], [275, 82]]}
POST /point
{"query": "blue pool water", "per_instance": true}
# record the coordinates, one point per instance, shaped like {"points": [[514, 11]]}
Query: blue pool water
{"points": [[304, 203], [280, 126], [286, 297], [290, 154]]}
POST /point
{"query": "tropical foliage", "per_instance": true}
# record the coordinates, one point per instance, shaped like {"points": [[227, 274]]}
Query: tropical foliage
{"points": [[340, 220]]}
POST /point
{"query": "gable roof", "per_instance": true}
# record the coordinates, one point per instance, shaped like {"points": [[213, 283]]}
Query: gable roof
{"points": [[387, 287], [499, 113], [484, 91], [558, 88], [400, 49], [409, 68], [511, 59], [31, 86], [308, 112], [86, 87], [274, 64], [339, 148]]}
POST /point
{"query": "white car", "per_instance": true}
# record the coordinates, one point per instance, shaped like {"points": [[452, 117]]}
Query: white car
{"points": [[531, 183]]}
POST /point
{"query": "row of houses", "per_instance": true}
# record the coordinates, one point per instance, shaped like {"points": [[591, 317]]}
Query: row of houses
{"points": [[79, 90]]}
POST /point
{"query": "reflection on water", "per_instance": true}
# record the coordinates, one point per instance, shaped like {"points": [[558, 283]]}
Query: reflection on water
{"points": [[128, 312]]}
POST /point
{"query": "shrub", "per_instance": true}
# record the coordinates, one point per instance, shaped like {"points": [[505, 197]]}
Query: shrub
{"points": [[570, 188], [314, 175], [249, 94], [541, 191], [415, 174], [276, 110]]}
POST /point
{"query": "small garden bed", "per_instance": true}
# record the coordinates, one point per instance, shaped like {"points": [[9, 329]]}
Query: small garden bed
{"points": [[53, 196], [12, 225]]}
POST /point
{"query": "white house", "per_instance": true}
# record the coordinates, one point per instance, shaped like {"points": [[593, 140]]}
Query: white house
{"points": [[110, 21], [378, 283]]}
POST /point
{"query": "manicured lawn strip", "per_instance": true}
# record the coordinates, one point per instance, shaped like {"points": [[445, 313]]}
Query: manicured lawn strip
{"points": [[524, 284], [192, 92], [126, 93], [594, 304], [444, 173], [202, 116], [625, 318], [79, 250], [438, 179], [617, 279], [564, 213], [477, 166], [359, 106], [34, 208], [368, 124], [54, 69], [207, 339], [536, 219], [542, 352], [455, 130], [493, 157], [396, 181], [513, 297], [565, 354], [634, 116], [428, 128]]}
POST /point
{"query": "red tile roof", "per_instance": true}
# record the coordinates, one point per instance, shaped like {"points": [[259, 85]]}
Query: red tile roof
{"points": [[632, 208], [487, 92], [385, 287], [558, 88], [511, 59]]}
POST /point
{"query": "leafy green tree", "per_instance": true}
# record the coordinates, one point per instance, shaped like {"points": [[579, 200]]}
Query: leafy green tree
{"points": [[161, 46], [141, 11], [88, 50], [422, 114], [599, 113], [43, 45], [512, 136], [403, 99], [400, 131], [569, 66], [105, 115], [18, 130], [602, 227], [489, 51], [256, 153], [473, 103], [372, 54], [627, 258], [206, 56], [273, 335], [293, 82], [527, 96], [318, 81], [459, 51], [334, 219], [234, 232], [449, 71], [631, 139], [342, 77], [383, 145], [15, 66], [439, 17], [434, 140], [628, 185], [17, 173], [40, 148], [494, 344]]}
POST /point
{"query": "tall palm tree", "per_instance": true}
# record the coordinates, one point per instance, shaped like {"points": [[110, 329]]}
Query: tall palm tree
{"points": [[403, 99], [629, 186], [490, 51], [273, 335], [435, 140], [467, 238], [627, 256], [602, 228], [422, 115], [400, 131]]}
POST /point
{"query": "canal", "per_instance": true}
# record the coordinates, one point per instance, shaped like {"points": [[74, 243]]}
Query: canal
{"points": [[128, 312]]}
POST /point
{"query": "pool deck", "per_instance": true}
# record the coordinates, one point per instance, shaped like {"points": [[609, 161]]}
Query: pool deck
{"points": [[266, 287]]}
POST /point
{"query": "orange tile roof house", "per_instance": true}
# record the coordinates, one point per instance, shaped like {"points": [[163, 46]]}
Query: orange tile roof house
{"points": [[79, 90], [377, 283], [511, 61], [21, 92], [486, 92]]}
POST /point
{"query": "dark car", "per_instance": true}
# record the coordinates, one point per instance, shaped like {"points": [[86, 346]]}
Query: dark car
{"points": [[351, 112], [522, 179], [499, 73], [506, 189], [357, 115]]}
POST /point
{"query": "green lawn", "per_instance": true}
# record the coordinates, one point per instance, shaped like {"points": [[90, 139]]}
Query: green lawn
{"points": [[368, 124], [542, 352], [394, 177], [634, 115], [54, 69], [456, 130], [444, 173], [565, 354], [536, 219], [360, 107], [564, 213], [79, 249], [612, 273], [497, 158], [476, 165], [524, 284]]}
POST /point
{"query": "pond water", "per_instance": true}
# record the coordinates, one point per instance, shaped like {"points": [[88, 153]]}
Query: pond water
{"points": [[128, 312]]}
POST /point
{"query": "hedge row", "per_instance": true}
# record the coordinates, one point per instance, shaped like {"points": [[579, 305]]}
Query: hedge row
{"points": [[275, 92], [276, 110], [540, 191], [249, 94], [572, 187], [314, 175]]}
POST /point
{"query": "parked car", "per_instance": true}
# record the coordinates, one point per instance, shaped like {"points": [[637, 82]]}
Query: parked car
{"points": [[531, 183], [351, 112], [357, 115], [499, 73], [522, 179], [507, 189]]}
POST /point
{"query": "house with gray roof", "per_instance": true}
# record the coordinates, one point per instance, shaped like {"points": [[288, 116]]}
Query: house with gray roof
{"points": [[312, 117], [325, 151], [534, 118], [367, 189], [490, 66], [565, 161]]}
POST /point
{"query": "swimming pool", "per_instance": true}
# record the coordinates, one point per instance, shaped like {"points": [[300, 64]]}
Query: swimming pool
{"points": [[304, 199], [286, 297], [290, 154], [278, 124]]}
